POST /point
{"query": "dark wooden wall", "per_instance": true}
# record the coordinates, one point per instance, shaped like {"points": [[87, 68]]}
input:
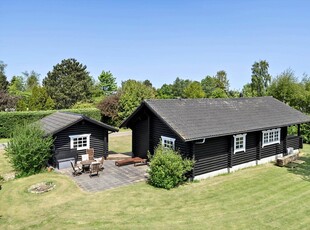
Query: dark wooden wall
{"points": [[140, 138], [217, 153], [251, 150], [212, 155], [294, 141], [98, 138], [158, 129]]}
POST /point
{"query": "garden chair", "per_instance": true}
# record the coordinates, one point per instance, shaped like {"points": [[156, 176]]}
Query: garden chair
{"points": [[94, 169], [101, 164], [76, 170], [90, 153], [85, 157]]}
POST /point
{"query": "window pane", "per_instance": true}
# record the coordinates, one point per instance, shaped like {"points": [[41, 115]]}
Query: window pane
{"points": [[271, 137]]}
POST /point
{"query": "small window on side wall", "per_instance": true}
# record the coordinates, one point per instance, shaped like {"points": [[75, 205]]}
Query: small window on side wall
{"points": [[239, 143], [167, 142], [80, 142]]}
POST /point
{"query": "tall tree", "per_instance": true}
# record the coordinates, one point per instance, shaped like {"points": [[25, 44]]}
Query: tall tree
{"points": [[247, 90], [107, 82], [285, 87], [32, 79], [68, 83], [222, 81], [17, 86], [178, 87], [109, 108], [148, 83], [214, 87], [194, 90], [132, 94], [165, 92], [260, 78], [3, 79]]}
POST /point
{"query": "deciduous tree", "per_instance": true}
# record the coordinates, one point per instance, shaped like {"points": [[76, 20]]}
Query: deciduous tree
{"points": [[132, 94], [32, 79], [194, 90], [107, 82], [260, 78], [109, 108]]}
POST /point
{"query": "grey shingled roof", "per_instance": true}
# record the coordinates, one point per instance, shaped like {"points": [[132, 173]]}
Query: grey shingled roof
{"points": [[194, 119], [59, 121]]}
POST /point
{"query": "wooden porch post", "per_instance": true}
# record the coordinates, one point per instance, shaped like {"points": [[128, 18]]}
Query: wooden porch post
{"points": [[298, 130]]}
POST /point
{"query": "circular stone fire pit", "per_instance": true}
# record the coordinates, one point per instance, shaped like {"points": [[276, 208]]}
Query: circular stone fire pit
{"points": [[41, 187]]}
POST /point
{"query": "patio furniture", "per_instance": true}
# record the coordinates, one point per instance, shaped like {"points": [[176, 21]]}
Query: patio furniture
{"points": [[76, 170], [85, 157], [94, 169], [91, 153], [86, 165], [134, 160], [101, 164]]}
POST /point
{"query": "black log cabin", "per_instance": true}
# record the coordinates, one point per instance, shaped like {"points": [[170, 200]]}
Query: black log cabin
{"points": [[221, 135], [74, 133]]}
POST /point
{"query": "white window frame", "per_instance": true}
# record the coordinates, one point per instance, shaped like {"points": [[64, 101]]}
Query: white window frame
{"points": [[243, 136], [167, 139], [73, 137], [271, 137]]}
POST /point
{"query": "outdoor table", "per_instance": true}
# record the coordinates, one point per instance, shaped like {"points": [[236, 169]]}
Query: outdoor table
{"points": [[86, 164]]}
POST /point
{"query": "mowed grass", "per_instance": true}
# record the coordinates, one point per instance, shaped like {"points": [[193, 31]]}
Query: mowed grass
{"points": [[5, 167], [262, 197], [120, 144]]}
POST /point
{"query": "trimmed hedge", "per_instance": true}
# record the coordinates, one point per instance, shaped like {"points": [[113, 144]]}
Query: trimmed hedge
{"points": [[9, 120]]}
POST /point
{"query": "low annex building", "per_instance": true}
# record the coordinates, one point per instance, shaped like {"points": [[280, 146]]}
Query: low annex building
{"points": [[74, 133], [221, 135]]}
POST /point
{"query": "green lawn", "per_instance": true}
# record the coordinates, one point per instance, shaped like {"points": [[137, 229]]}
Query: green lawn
{"points": [[262, 197], [5, 167], [120, 144]]}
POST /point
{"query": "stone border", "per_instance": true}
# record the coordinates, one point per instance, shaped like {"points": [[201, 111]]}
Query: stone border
{"points": [[46, 187]]}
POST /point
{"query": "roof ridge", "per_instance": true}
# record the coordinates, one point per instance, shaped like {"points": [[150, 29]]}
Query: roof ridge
{"points": [[206, 99]]}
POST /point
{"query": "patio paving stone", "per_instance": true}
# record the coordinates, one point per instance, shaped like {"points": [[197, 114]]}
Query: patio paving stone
{"points": [[111, 177]]}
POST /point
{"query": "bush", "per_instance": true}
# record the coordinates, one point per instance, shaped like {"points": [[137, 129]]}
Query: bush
{"points": [[28, 150], [167, 168], [9, 120], [305, 133]]}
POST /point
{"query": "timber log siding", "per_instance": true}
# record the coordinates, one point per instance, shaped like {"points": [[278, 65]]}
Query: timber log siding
{"points": [[146, 135], [98, 138], [294, 141], [212, 155], [217, 153]]}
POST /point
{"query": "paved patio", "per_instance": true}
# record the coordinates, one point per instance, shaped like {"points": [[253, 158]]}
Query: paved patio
{"points": [[111, 177]]}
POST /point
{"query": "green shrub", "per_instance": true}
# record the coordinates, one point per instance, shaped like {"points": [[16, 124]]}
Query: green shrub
{"points": [[28, 150], [9, 120], [305, 133], [168, 168]]}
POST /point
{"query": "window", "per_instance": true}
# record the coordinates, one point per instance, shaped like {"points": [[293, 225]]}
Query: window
{"points": [[271, 136], [167, 142], [80, 142], [239, 143]]}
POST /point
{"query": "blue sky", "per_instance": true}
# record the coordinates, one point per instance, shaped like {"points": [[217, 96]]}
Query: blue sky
{"points": [[156, 40]]}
